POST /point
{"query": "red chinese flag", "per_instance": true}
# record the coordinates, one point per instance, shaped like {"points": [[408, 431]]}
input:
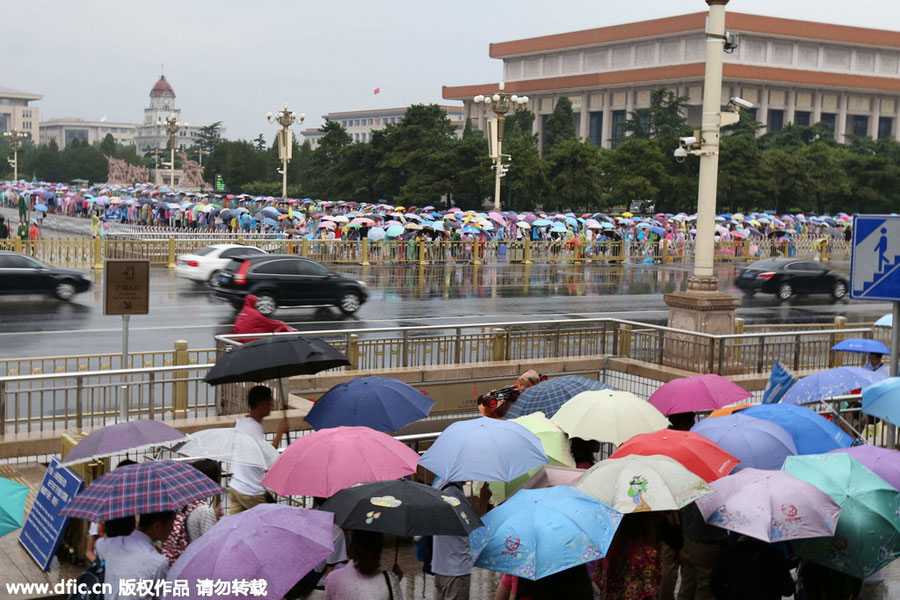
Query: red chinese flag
{"points": [[377, 90]]}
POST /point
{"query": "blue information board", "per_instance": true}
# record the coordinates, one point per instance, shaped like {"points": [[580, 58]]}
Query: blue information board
{"points": [[875, 263], [44, 526], [113, 214]]}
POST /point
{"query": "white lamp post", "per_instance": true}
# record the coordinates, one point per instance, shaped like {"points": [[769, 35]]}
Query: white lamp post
{"points": [[500, 103], [285, 118], [172, 126], [16, 138]]}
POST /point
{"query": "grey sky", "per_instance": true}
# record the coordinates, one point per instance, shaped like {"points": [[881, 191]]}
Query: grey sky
{"points": [[234, 60]]}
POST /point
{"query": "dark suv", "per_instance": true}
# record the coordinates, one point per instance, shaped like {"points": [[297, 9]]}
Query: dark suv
{"points": [[281, 280], [20, 274]]}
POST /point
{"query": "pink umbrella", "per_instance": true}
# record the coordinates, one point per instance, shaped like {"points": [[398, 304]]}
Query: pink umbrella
{"points": [[324, 462], [497, 217], [362, 221], [697, 393], [772, 506], [548, 476]]}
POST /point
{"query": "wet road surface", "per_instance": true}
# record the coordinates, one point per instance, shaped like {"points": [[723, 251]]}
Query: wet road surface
{"points": [[399, 296]]}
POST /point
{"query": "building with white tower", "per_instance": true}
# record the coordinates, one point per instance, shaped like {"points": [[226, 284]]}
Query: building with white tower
{"points": [[162, 107]]}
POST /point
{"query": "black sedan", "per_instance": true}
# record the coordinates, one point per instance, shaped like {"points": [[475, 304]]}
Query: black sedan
{"points": [[284, 280], [785, 277], [21, 274]]}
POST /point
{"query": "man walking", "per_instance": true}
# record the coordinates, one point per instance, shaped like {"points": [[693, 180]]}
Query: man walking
{"points": [[451, 558], [246, 490], [132, 558]]}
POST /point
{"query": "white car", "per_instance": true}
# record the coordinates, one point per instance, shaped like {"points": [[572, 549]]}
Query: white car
{"points": [[205, 265]]}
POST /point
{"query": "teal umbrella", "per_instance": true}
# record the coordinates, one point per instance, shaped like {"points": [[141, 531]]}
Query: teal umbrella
{"points": [[868, 531], [12, 505]]}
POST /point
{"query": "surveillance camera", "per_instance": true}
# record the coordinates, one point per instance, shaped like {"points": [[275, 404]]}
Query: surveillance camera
{"points": [[687, 141], [680, 152], [741, 103]]}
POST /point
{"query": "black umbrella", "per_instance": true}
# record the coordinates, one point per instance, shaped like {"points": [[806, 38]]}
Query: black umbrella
{"points": [[403, 508], [275, 357]]}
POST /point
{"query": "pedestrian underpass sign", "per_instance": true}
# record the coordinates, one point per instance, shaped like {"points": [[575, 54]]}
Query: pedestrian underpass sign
{"points": [[875, 262]]}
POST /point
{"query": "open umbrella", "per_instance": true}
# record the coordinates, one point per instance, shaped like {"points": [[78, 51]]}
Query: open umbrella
{"points": [[881, 461], [811, 432], [549, 395], [555, 443], [772, 506], [228, 444], [122, 437], [382, 403], [483, 449], [403, 508], [274, 357], [885, 321], [13, 496], [548, 476], [608, 416], [701, 456], [861, 346], [880, 400], [867, 536], [829, 383], [643, 483], [329, 460], [276, 543], [757, 443], [376, 234], [139, 489], [697, 393], [540, 532]]}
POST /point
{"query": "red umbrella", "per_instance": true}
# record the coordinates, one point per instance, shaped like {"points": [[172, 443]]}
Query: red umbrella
{"points": [[698, 454], [698, 393]]}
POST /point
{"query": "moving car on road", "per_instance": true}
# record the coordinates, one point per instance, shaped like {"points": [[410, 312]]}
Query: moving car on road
{"points": [[206, 264], [21, 274], [285, 280], [786, 277]]}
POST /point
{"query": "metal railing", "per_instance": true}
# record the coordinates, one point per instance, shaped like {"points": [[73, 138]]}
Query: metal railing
{"points": [[162, 248]]}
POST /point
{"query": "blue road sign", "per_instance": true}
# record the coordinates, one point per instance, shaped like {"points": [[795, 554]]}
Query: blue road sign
{"points": [[875, 263], [44, 526]]}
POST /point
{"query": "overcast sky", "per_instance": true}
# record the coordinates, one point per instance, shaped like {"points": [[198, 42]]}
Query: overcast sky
{"points": [[235, 60]]}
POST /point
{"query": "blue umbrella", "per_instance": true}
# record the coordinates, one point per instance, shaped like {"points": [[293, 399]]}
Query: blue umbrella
{"points": [[558, 227], [548, 396], [658, 230], [12, 506], [484, 450], [540, 532], [394, 231], [541, 222], [270, 222], [861, 346], [885, 321], [40, 207], [811, 432], [382, 403], [757, 443], [828, 383], [376, 234], [880, 400]]}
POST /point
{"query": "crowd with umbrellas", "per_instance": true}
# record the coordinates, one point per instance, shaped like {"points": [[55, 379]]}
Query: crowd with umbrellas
{"points": [[579, 482]]}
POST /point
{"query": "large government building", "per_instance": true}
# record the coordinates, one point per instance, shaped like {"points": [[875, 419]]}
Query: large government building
{"points": [[17, 113], [793, 71], [162, 107]]}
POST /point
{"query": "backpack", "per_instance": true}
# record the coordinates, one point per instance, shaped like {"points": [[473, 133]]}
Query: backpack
{"points": [[94, 574]]}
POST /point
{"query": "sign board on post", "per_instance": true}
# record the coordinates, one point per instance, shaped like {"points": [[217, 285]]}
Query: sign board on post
{"points": [[44, 526], [875, 275], [126, 287]]}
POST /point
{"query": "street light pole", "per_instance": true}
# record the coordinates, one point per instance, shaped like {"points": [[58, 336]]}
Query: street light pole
{"points": [[200, 153], [285, 118], [171, 126], [500, 103], [15, 138]]}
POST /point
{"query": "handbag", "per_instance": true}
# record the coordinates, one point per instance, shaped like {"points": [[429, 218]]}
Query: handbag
{"points": [[387, 580]]}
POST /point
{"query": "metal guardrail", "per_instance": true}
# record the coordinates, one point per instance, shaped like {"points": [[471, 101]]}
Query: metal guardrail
{"points": [[161, 250], [181, 354]]}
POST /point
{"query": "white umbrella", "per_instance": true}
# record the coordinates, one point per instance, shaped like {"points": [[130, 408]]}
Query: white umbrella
{"points": [[643, 483], [228, 444], [608, 416]]}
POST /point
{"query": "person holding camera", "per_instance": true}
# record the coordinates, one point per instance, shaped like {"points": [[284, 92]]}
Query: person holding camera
{"points": [[496, 403]]}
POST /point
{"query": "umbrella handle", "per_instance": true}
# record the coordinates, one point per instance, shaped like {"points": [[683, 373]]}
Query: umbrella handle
{"points": [[284, 404]]}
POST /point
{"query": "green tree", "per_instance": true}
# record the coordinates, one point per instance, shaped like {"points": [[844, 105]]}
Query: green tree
{"points": [[108, 145], [663, 119], [574, 176], [259, 144], [560, 124], [636, 170], [526, 180], [209, 135], [520, 124], [238, 162]]}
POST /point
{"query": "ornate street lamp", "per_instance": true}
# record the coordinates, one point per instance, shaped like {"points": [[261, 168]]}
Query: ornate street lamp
{"points": [[172, 126], [16, 138], [285, 118], [500, 103]]}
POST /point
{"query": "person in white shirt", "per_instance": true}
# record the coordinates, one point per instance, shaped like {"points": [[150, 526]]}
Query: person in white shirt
{"points": [[874, 364], [363, 577], [134, 558], [245, 490]]}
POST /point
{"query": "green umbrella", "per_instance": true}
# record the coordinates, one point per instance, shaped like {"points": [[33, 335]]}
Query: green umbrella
{"points": [[12, 505], [868, 531], [556, 446]]}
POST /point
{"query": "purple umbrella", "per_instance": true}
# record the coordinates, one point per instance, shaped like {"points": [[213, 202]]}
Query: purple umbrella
{"points": [[884, 463], [759, 444], [122, 437], [697, 393], [272, 543], [772, 506]]}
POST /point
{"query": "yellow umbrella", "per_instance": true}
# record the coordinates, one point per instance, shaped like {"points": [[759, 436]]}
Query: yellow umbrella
{"points": [[556, 446], [627, 214], [608, 416]]}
